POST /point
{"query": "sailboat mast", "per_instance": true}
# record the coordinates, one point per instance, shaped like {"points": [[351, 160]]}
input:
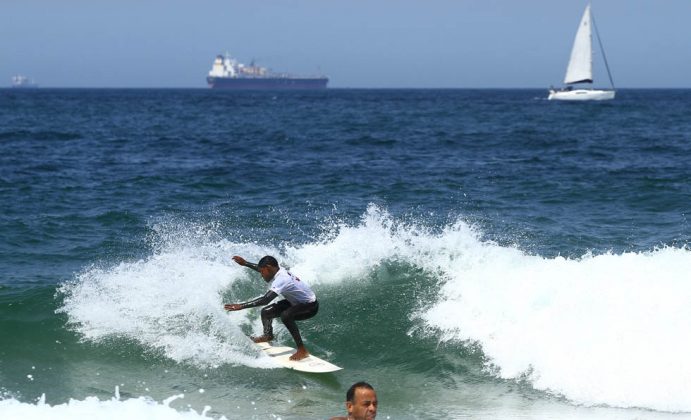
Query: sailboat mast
{"points": [[599, 41]]}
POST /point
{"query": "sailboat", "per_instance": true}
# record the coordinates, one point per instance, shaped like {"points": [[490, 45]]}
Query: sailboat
{"points": [[580, 68]]}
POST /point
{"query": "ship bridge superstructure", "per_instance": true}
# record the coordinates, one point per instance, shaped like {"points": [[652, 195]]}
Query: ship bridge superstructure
{"points": [[225, 66]]}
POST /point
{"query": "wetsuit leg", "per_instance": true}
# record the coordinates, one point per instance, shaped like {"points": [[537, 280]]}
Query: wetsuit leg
{"points": [[270, 312], [298, 312]]}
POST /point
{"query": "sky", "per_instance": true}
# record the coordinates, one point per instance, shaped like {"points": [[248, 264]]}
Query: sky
{"points": [[356, 43]]}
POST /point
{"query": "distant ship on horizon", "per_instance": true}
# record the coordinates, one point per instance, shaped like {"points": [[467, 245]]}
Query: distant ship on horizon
{"points": [[228, 73], [23, 82]]}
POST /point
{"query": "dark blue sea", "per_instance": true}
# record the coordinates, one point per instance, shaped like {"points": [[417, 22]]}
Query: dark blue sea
{"points": [[482, 254]]}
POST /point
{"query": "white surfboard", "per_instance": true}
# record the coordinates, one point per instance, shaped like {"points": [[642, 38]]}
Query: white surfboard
{"points": [[311, 363]]}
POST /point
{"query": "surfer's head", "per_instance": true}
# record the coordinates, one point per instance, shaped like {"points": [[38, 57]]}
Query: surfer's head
{"points": [[268, 267], [361, 402]]}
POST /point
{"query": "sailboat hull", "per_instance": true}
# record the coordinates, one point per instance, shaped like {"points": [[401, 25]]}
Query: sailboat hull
{"points": [[581, 95]]}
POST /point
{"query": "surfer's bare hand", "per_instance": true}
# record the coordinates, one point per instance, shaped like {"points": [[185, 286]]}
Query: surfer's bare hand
{"points": [[232, 307], [239, 260]]}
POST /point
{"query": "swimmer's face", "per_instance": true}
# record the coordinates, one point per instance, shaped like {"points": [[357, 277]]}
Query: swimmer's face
{"points": [[364, 405]]}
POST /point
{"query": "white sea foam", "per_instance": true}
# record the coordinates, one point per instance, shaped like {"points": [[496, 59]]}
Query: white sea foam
{"points": [[171, 302], [606, 329], [92, 408]]}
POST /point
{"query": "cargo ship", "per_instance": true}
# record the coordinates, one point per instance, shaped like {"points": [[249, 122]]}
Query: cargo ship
{"points": [[23, 82], [228, 73]]}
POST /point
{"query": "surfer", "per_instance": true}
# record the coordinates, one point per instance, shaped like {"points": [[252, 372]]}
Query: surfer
{"points": [[361, 402], [300, 302]]}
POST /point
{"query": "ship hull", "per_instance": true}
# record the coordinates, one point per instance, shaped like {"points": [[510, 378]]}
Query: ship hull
{"points": [[581, 95], [267, 83]]}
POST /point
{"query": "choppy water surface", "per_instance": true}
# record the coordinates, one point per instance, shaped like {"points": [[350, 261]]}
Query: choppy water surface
{"points": [[482, 254]]}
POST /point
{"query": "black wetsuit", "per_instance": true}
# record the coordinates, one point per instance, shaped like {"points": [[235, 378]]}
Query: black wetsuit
{"points": [[288, 312]]}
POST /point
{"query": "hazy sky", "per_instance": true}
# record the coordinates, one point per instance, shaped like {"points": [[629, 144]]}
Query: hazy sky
{"points": [[357, 43]]}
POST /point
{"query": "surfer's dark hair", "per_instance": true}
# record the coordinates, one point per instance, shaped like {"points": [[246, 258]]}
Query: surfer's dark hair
{"points": [[267, 260], [350, 395]]}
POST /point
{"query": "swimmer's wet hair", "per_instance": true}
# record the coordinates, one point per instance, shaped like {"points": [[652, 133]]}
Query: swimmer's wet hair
{"points": [[350, 395]]}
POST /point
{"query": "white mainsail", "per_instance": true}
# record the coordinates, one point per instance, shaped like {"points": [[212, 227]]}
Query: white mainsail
{"points": [[580, 69]]}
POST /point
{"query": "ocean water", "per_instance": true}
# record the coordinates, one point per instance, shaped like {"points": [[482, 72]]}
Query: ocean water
{"points": [[482, 254]]}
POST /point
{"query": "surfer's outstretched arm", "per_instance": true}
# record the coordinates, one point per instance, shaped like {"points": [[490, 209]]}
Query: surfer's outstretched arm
{"points": [[244, 263], [261, 300]]}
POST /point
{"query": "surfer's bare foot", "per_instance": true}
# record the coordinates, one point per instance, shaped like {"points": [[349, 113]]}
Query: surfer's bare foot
{"points": [[262, 338], [300, 354]]}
